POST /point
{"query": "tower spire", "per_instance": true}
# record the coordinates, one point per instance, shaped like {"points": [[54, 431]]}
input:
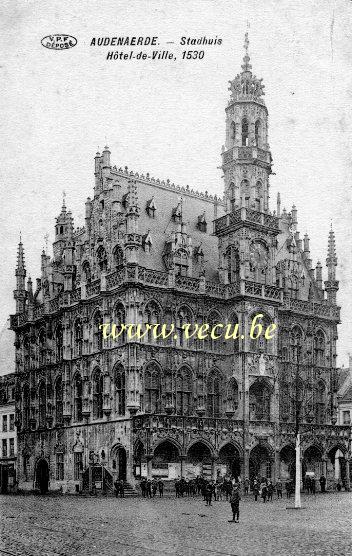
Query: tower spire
{"points": [[246, 66], [20, 273], [331, 284]]}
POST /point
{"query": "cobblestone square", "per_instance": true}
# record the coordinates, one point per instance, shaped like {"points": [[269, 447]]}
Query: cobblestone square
{"points": [[72, 526]]}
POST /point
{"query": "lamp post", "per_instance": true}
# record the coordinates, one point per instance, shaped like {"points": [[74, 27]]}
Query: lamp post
{"points": [[297, 435]]}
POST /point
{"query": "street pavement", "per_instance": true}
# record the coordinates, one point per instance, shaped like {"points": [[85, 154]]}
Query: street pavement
{"points": [[73, 525]]}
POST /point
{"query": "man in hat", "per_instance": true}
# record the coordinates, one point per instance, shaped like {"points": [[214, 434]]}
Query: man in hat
{"points": [[235, 503]]}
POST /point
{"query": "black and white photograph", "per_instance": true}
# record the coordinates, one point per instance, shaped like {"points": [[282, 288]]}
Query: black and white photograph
{"points": [[176, 264]]}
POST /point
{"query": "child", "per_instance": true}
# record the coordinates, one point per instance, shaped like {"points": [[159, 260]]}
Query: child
{"points": [[235, 504]]}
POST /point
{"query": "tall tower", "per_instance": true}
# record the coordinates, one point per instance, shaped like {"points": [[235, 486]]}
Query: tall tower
{"points": [[20, 272], [246, 159], [247, 233]]}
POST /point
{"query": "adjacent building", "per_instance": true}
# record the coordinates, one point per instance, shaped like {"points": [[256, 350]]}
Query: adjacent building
{"points": [[89, 410], [8, 434]]}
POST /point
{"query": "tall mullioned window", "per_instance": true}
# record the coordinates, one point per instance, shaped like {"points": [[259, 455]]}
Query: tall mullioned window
{"points": [[42, 404], [97, 395], [184, 391], [59, 466], [78, 399]]}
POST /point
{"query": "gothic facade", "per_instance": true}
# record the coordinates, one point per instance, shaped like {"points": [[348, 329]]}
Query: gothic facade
{"points": [[89, 410]]}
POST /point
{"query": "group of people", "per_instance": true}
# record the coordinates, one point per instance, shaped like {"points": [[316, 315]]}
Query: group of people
{"points": [[149, 487], [225, 487]]}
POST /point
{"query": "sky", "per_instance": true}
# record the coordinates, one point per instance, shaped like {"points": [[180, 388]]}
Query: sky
{"points": [[167, 117]]}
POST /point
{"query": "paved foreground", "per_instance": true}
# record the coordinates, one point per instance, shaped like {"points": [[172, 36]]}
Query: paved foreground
{"points": [[70, 526]]}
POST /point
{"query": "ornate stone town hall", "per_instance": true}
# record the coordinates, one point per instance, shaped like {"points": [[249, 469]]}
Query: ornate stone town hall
{"points": [[90, 410]]}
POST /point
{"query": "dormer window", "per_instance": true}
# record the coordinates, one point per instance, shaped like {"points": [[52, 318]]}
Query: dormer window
{"points": [[125, 200], [202, 223], [177, 214], [181, 263], [151, 208], [198, 254], [147, 242]]}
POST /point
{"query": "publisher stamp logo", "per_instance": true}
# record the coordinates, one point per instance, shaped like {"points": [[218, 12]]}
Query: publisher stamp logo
{"points": [[59, 42]]}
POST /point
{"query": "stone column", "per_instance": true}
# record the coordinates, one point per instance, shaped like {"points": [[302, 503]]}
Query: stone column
{"points": [[276, 465], [182, 460], [348, 481], [149, 459]]}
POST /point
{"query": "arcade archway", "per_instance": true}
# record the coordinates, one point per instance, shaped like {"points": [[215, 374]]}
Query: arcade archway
{"points": [[312, 461], [199, 461], [260, 463], [42, 476], [336, 466], [166, 461], [119, 462], [287, 463], [229, 462]]}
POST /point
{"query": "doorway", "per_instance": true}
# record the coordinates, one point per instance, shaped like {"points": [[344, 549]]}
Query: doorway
{"points": [[42, 476]]}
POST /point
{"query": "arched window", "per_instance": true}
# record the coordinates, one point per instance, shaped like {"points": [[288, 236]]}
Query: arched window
{"points": [[232, 395], [233, 264], [120, 390], [42, 404], [259, 401], [233, 133], [42, 347], [184, 391], [181, 262], [151, 316], [258, 196], [320, 402], [102, 259], [78, 339], [257, 133], [245, 193], [296, 344], [26, 353], [234, 343], [97, 395], [319, 348], [184, 316], [260, 344], [232, 195], [86, 272], [212, 343], [245, 136], [26, 406], [285, 400], [59, 342], [58, 401], [119, 320], [97, 332], [152, 388], [78, 398], [117, 256], [214, 394], [293, 286]]}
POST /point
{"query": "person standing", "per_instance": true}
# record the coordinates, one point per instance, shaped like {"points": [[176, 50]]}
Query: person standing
{"points": [[246, 485], [322, 482], [161, 488], [235, 503], [270, 491], [264, 491], [279, 488], [154, 487], [149, 488], [255, 489], [208, 494], [143, 485]]}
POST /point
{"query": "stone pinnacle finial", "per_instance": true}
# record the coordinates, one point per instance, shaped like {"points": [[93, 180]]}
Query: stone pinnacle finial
{"points": [[246, 66]]}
